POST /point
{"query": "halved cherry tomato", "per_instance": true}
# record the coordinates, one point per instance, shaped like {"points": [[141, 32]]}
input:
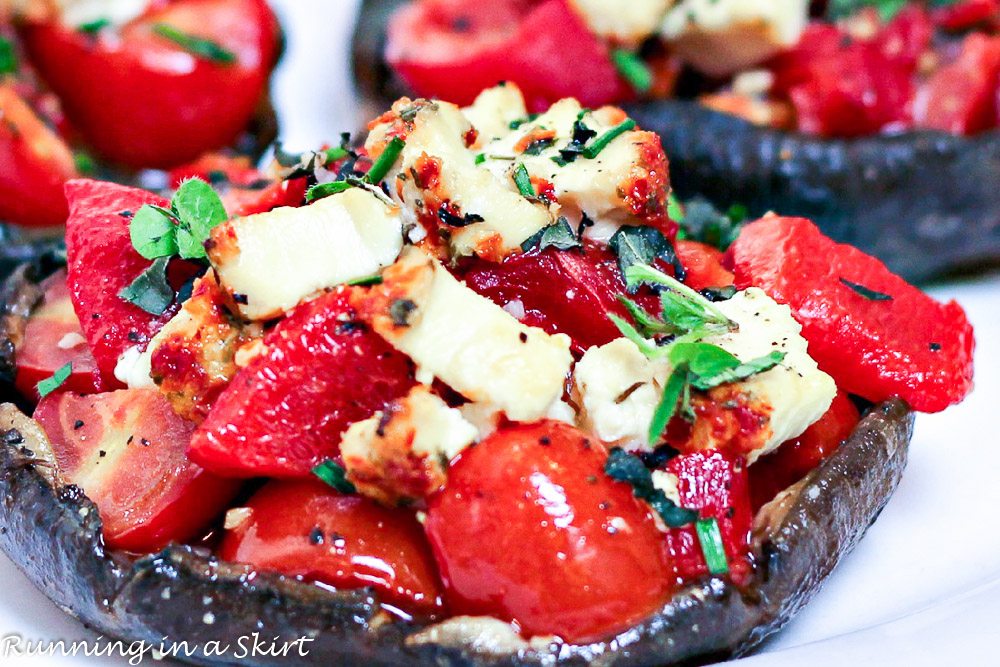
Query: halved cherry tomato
{"points": [[52, 339], [874, 333], [125, 449], [716, 486], [320, 370], [143, 100], [967, 14], [453, 49], [101, 262], [794, 459], [34, 165], [307, 529], [961, 97], [703, 265], [244, 190], [530, 529], [560, 291]]}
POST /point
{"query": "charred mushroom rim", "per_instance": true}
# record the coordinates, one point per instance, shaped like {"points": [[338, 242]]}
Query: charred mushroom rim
{"points": [[53, 532], [924, 202]]}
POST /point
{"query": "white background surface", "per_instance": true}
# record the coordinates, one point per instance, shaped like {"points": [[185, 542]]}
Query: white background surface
{"points": [[923, 588]]}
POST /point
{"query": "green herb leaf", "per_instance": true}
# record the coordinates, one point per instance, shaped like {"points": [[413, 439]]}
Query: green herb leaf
{"points": [[866, 292], [199, 210], [530, 118], [50, 384], [321, 190], [646, 323], [153, 234], [558, 235], [594, 149], [385, 161], [667, 407], [675, 210], [640, 245], [523, 182], [710, 538], [633, 69], [648, 348], [8, 57], [94, 27], [150, 290], [887, 9], [202, 48], [742, 371], [629, 468], [365, 281], [681, 304], [480, 158], [84, 163], [703, 222], [334, 475]]}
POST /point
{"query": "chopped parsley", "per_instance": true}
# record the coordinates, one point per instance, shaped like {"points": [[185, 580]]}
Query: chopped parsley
{"points": [[333, 474], [578, 142], [629, 468], [50, 384], [633, 69], [203, 48], [866, 292]]}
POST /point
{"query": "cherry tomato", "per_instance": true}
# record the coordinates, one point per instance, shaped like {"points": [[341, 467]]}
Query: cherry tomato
{"points": [[530, 529], [703, 265], [143, 100], [961, 97], [53, 338], [966, 14], [874, 333], [453, 49], [125, 449], [34, 165], [794, 459], [320, 371], [243, 189], [307, 529]]}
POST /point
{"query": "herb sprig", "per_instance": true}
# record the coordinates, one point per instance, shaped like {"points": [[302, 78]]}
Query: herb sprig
{"points": [[205, 49], [625, 467]]}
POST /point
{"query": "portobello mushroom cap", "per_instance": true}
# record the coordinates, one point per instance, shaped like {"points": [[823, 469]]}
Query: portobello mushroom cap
{"points": [[926, 203], [52, 531]]}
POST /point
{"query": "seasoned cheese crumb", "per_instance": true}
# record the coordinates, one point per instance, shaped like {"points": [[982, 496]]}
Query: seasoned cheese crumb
{"points": [[465, 340], [494, 110], [625, 23]]}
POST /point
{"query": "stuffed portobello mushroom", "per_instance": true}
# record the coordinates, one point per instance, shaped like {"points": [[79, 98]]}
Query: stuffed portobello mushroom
{"points": [[463, 395], [877, 120]]}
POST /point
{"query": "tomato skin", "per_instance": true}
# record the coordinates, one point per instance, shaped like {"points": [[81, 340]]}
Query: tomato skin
{"points": [[142, 101], [285, 411], [716, 486], [40, 355], [961, 97], [703, 265], [243, 189], [967, 14], [561, 291], [100, 263], [794, 459], [358, 543], [543, 47], [34, 165], [152, 495], [910, 346], [530, 529]]}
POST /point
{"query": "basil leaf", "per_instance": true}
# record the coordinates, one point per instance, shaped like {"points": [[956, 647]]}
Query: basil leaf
{"points": [[334, 475], [558, 235], [622, 466], [691, 310], [50, 384], [667, 407], [150, 290], [703, 359], [8, 57], [641, 245], [706, 381], [153, 234], [866, 292], [203, 48], [646, 323]]}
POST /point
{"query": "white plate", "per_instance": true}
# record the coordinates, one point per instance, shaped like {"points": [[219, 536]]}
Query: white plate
{"points": [[923, 587]]}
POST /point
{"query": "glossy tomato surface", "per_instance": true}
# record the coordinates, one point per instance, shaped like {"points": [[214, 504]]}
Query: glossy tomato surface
{"points": [[305, 528], [320, 371], [143, 100], [125, 449], [961, 97], [530, 529], [703, 265]]}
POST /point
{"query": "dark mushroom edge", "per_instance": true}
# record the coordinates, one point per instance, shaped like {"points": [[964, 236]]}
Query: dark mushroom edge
{"points": [[52, 531], [925, 203]]}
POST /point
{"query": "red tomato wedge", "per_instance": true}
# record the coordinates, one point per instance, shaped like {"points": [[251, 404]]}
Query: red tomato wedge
{"points": [[321, 370], [794, 459], [143, 100], [125, 449], [101, 262], [530, 529], [716, 486], [243, 189], [306, 529], [967, 14], [703, 265], [34, 165], [52, 339], [961, 97], [453, 49], [874, 333]]}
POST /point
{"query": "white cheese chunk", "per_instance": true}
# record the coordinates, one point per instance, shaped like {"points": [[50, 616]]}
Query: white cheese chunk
{"points": [[619, 388], [75, 13], [134, 368], [494, 110], [272, 261], [628, 23], [721, 37], [467, 341]]}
